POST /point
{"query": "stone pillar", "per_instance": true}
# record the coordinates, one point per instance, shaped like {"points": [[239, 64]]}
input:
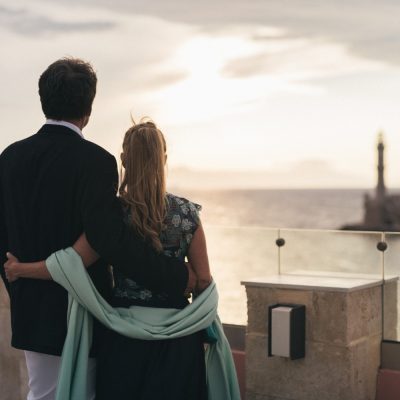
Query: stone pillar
{"points": [[343, 338], [390, 310], [13, 375]]}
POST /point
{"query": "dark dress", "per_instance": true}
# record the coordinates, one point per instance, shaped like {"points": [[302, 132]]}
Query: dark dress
{"points": [[173, 369]]}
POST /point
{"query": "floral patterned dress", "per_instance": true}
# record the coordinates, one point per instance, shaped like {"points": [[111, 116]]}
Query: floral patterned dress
{"points": [[182, 220]]}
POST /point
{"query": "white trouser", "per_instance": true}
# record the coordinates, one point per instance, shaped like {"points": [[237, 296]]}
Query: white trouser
{"points": [[43, 374]]}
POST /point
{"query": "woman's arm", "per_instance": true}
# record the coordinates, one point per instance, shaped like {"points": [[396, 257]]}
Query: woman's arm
{"points": [[198, 259], [15, 269], [38, 270], [83, 248]]}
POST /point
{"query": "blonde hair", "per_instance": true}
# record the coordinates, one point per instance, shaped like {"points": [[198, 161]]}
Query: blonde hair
{"points": [[143, 186]]}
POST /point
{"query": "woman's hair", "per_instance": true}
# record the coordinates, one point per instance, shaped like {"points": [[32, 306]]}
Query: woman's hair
{"points": [[143, 184]]}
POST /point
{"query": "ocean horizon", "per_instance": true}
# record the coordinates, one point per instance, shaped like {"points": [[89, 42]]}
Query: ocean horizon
{"points": [[242, 226], [295, 208]]}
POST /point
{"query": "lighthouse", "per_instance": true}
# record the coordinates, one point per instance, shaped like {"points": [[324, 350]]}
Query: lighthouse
{"points": [[380, 187], [382, 211]]}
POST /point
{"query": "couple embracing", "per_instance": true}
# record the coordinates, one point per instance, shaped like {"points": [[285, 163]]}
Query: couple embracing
{"points": [[98, 282]]}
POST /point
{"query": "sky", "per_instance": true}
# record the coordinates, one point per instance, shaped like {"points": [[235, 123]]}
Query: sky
{"points": [[259, 93]]}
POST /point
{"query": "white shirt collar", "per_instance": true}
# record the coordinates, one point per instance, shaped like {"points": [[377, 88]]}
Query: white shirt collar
{"points": [[65, 123]]}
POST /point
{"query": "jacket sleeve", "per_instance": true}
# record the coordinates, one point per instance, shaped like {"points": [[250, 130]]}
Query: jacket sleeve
{"points": [[113, 240], [3, 237]]}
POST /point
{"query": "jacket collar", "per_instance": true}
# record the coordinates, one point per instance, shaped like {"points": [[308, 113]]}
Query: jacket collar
{"points": [[58, 129]]}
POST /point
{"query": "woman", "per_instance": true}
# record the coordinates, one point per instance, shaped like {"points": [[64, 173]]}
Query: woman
{"points": [[132, 368], [162, 369]]}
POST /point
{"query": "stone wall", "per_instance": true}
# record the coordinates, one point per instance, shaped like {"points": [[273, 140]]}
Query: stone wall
{"points": [[343, 337], [13, 376]]}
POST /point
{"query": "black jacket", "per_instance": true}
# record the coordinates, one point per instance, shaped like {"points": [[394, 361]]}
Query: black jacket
{"points": [[55, 185]]}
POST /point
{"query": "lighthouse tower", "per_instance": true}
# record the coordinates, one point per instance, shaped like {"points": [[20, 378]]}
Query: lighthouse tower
{"points": [[380, 187], [382, 211]]}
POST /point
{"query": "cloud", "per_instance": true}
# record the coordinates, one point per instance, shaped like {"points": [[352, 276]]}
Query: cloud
{"points": [[158, 79], [368, 28], [298, 59], [26, 23]]}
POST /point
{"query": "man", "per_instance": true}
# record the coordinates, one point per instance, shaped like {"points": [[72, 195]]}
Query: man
{"points": [[55, 185]]}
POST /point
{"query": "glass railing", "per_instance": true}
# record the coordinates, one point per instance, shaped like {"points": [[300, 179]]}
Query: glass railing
{"points": [[235, 254], [241, 253], [331, 253]]}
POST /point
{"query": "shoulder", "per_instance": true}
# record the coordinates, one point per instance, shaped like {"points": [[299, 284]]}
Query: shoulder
{"points": [[94, 150], [79, 147], [94, 156], [183, 212], [181, 203], [16, 146]]}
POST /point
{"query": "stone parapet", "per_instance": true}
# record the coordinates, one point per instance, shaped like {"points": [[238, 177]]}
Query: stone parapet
{"points": [[343, 338], [391, 318]]}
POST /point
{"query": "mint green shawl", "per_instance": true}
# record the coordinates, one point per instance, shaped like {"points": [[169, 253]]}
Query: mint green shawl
{"points": [[67, 269]]}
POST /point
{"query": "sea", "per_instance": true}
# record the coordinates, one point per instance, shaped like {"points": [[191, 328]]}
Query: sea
{"points": [[242, 226]]}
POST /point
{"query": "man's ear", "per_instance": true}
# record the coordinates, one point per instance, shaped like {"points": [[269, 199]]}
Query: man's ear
{"points": [[85, 120]]}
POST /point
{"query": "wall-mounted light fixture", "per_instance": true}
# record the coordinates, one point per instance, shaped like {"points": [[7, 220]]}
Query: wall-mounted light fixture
{"points": [[286, 330]]}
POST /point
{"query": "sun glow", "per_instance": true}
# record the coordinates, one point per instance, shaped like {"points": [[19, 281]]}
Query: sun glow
{"points": [[207, 91], [224, 73]]}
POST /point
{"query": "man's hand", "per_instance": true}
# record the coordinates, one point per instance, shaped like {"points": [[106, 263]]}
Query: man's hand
{"points": [[11, 268], [202, 284]]}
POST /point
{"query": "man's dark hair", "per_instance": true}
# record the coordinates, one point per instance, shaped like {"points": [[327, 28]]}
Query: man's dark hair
{"points": [[67, 89]]}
